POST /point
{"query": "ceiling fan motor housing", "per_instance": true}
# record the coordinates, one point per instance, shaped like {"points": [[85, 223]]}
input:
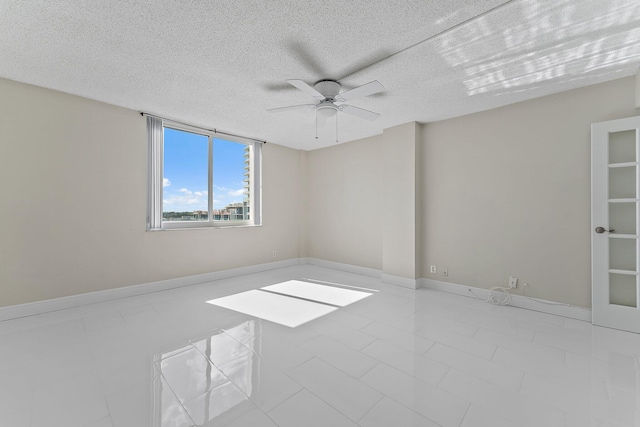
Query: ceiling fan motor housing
{"points": [[327, 108], [328, 88]]}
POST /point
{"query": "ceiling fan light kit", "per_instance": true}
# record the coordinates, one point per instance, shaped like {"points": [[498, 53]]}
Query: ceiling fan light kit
{"points": [[327, 92]]}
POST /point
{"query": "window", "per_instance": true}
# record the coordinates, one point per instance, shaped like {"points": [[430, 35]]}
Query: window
{"points": [[201, 178]]}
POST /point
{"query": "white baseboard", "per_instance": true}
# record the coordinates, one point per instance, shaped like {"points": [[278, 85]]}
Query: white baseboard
{"points": [[400, 281], [550, 307], [39, 307], [365, 271]]}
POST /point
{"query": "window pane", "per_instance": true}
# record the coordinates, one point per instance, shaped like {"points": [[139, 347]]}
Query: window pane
{"points": [[186, 176], [231, 180]]}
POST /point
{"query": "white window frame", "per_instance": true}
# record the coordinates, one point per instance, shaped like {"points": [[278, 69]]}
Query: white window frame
{"points": [[155, 135]]}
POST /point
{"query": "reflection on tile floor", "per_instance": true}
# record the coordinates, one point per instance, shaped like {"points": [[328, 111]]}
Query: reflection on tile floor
{"points": [[395, 358]]}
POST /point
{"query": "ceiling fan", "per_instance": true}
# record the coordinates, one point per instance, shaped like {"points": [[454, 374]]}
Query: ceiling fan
{"points": [[327, 94]]}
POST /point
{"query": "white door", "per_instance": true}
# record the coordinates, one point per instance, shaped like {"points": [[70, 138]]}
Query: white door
{"points": [[615, 247]]}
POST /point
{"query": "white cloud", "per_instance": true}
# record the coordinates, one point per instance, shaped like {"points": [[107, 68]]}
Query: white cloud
{"points": [[166, 182], [185, 200]]}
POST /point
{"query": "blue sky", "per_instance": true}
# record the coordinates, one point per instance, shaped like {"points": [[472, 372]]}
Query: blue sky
{"points": [[186, 172]]}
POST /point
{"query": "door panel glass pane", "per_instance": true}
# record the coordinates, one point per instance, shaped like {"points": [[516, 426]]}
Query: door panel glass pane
{"points": [[622, 254], [231, 179], [622, 183], [622, 217], [622, 290], [622, 146], [186, 176]]}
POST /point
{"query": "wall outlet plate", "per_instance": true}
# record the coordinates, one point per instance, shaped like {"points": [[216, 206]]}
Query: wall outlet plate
{"points": [[513, 282], [433, 268]]}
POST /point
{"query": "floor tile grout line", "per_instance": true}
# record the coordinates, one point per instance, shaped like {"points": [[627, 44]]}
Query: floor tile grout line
{"points": [[329, 404], [382, 396], [370, 369], [542, 345], [358, 380], [567, 366], [418, 379], [302, 388], [369, 345], [465, 414], [521, 379]]}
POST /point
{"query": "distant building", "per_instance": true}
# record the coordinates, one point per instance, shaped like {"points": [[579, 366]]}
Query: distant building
{"points": [[247, 183], [232, 212], [239, 211]]}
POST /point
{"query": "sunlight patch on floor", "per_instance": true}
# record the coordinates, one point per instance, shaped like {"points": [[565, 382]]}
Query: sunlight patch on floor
{"points": [[290, 303]]}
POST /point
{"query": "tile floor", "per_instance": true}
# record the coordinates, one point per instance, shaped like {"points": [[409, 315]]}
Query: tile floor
{"points": [[395, 358]]}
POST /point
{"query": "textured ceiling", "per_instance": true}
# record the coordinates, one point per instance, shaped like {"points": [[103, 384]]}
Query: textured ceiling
{"points": [[221, 64]]}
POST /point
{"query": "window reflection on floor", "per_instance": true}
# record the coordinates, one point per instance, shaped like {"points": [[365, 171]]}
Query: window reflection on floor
{"points": [[207, 380], [211, 380]]}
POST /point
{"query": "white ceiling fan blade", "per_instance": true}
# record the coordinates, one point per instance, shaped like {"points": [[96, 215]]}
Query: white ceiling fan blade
{"points": [[305, 88], [359, 112], [291, 107], [361, 91]]}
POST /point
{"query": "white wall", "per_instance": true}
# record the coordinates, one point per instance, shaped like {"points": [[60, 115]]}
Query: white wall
{"points": [[73, 179], [507, 192]]}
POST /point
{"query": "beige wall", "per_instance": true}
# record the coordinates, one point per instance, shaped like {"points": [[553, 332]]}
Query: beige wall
{"points": [[73, 179], [361, 203], [344, 203], [499, 193], [507, 192], [400, 201]]}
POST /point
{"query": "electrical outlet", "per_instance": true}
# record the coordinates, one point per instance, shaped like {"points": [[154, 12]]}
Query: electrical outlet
{"points": [[275, 254], [433, 269], [513, 282], [445, 272]]}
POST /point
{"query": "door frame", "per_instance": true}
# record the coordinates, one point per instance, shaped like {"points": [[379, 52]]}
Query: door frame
{"points": [[604, 313]]}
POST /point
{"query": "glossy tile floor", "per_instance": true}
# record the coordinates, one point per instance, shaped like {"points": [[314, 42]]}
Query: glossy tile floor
{"points": [[395, 358]]}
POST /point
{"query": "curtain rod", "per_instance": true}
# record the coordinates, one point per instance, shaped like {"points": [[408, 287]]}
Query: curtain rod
{"points": [[142, 113]]}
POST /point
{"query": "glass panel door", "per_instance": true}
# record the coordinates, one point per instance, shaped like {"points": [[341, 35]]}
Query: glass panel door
{"points": [[615, 243]]}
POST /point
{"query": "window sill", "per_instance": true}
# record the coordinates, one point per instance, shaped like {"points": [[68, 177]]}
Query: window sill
{"points": [[205, 227]]}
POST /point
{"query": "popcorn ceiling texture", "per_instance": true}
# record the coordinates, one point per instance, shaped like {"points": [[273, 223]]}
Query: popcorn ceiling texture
{"points": [[223, 63]]}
